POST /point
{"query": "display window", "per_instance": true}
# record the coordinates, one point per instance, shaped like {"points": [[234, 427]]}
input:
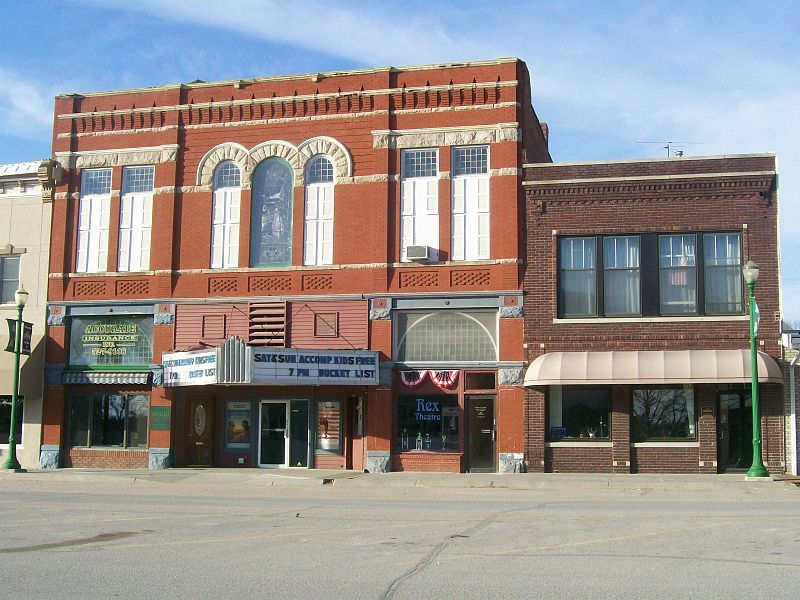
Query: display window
{"points": [[428, 422]]}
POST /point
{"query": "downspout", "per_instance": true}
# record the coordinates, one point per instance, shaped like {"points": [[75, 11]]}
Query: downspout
{"points": [[793, 415]]}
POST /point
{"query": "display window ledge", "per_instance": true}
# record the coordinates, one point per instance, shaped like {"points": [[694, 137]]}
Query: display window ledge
{"points": [[580, 444], [428, 452], [686, 444], [106, 449]]}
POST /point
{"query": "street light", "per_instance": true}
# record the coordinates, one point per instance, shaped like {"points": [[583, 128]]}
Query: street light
{"points": [[11, 462], [750, 274]]}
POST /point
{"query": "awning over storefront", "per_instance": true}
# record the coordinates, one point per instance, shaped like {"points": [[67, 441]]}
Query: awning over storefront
{"points": [[649, 367], [104, 378]]}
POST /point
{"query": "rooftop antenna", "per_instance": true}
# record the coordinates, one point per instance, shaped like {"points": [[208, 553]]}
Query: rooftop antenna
{"points": [[673, 148]]}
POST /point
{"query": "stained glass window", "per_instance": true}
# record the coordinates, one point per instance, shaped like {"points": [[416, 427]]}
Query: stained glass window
{"points": [[271, 217]]}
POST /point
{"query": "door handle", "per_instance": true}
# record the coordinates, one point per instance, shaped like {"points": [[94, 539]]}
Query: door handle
{"points": [[487, 430]]}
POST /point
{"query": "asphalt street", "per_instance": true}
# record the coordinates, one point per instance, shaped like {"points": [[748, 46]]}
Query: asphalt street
{"points": [[184, 534]]}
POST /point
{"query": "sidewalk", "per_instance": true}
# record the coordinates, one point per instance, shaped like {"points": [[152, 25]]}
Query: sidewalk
{"points": [[313, 477]]}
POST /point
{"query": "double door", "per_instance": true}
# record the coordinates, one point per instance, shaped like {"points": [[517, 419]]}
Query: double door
{"points": [[283, 436]]}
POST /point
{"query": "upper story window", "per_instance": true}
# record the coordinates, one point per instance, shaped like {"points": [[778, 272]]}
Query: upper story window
{"points": [[225, 216], [650, 275], [723, 273], [318, 231], [470, 203], [578, 277], [678, 274], [9, 278], [136, 215], [419, 203], [271, 215], [93, 216], [621, 275]]}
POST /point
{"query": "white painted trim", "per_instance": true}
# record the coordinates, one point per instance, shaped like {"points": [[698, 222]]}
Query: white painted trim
{"points": [[665, 444], [681, 177], [579, 444], [676, 319], [145, 155]]}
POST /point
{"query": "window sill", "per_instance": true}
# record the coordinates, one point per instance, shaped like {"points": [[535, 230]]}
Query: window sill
{"points": [[673, 319], [429, 452], [686, 444], [580, 444], [107, 448]]}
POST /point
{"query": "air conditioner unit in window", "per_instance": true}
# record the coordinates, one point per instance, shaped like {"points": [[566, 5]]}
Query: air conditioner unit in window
{"points": [[417, 252]]}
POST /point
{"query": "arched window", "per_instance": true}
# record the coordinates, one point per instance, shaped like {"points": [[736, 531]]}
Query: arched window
{"points": [[271, 215], [225, 216], [319, 212], [446, 336]]}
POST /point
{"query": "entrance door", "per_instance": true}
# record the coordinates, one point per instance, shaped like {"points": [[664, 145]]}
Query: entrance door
{"points": [[735, 430], [201, 433], [283, 439], [480, 434]]}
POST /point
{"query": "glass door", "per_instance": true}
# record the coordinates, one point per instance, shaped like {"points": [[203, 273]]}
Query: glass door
{"points": [[274, 438], [735, 430], [480, 434]]}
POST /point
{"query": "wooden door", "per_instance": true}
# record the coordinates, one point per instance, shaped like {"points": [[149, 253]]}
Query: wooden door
{"points": [[201, 433]]}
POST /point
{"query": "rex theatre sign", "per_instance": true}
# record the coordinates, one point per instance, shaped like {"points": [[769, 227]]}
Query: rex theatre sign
{"points": [[111, 341], [314, 367]]}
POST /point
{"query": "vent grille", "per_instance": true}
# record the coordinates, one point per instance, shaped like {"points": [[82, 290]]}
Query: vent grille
{"points": [[470, 278], [419, 279], [89, 288], [222, 285], [133, 287], [267, 324]]}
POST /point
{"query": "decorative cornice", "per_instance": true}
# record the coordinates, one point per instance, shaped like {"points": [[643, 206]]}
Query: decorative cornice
{"points": [[283, 99], [445, 136], [296, 156], [85, 159], [634, 178], [643, 191]]}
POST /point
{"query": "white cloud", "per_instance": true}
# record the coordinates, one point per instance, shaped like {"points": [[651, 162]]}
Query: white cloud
{"points": [[26, 108], [363, 33]]}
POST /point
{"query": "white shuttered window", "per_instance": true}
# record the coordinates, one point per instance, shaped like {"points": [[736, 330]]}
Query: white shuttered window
{"points": [[93, 213], [319, 212], [225, 216], [419, 202], [136, 216], [470, 203]]}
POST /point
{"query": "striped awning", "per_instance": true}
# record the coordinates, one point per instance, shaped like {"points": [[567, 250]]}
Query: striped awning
{"points": [[649, 367], [106, 377]]}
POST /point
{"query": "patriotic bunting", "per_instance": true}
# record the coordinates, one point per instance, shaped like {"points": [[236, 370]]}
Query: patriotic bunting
{"points": [[445, 379]]}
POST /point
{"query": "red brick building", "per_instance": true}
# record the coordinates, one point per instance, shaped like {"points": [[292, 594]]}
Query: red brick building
{"points": [[636, 321], [318, 270]]}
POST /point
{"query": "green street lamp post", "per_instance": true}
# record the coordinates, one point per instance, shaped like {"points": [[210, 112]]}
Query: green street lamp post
{"points": [[750, 274], [11, 462]]}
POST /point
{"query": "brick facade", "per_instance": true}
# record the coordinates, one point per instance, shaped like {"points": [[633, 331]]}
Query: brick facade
{"points": [[687, 195], [362, 121]]}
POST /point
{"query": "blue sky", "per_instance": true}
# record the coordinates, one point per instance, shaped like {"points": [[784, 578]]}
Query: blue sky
{"points": [[605, 75]]}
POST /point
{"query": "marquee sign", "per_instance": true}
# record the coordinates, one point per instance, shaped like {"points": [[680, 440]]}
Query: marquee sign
{"points": [[314, 367], [270, 366], [190, 368]]}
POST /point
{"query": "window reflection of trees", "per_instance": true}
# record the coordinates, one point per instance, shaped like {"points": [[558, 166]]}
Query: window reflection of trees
{"points": [[271, 215], [663, 413]]}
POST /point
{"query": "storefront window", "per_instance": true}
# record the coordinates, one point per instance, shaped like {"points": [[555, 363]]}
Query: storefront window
{"points": [[237, 430], [111, 341], [329, 427], [579, 413], [5, 419], [428, 423], [109, 420], [663, 413]]}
